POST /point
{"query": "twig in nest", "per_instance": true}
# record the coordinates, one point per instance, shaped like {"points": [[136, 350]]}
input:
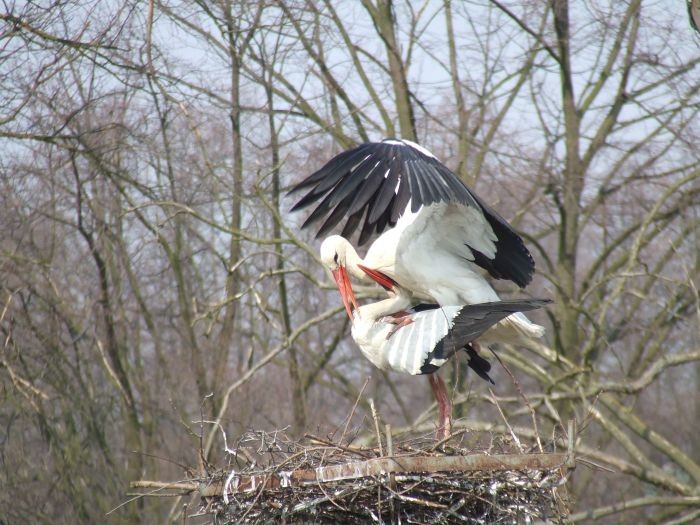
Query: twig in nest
{"points": [[503, 416], [527, 401], [154, 495], [255, 500], [375, 416], [446, 439], [352, 412], [346, 448]]}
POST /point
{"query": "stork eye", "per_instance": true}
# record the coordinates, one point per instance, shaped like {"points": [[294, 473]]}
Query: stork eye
{"points": [[335, 258]]}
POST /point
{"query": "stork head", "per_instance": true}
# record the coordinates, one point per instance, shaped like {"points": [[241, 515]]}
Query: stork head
{"points": [[334, 256]]}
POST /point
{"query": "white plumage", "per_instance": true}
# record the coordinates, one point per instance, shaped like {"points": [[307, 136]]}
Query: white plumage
{"points": [[408, 350], [425, 270]]}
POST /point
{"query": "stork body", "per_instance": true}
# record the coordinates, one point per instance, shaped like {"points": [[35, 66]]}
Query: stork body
{"points": [[427, 337], [436, 234]]}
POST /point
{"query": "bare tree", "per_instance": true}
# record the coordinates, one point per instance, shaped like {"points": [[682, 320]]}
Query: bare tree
{"points": [[152, 281]]}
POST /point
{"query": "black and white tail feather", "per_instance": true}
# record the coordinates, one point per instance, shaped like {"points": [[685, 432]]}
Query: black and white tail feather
{"points": [[434, 335]]}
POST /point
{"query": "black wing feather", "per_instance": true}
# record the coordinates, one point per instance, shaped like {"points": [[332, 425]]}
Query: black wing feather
{"points": [[335, 217], [513, 260], [402, 198], [332, 179], [480, 365], [366, 232], [370, 187], [351, 182], [318, 213], [332, 171], [382, 221], [419, 193], [474, 319], [351, 224], [386, 193], [433, 179], [341, 197], [348, 164], [307, 199], [463, 195], [430, 178], [367, 227]]}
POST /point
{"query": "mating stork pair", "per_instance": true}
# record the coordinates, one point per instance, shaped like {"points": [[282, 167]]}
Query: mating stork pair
{"points": [[435, 233]]}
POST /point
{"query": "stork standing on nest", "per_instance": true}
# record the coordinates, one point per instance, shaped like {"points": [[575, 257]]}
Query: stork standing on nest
{"points": [[436, 234], [420, 340]]}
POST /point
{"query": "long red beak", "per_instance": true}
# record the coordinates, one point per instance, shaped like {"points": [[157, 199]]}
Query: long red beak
{"points": [[345, 288]]}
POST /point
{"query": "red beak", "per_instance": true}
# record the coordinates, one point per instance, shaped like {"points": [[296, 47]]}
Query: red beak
{"points": [[345, 288]]}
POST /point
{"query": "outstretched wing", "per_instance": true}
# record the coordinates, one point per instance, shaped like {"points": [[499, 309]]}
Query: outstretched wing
{"points": [[372, 185], [377, 180]]}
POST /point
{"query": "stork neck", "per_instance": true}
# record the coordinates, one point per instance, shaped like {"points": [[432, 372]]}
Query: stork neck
{"points": [[352, 260], [373, 311]]}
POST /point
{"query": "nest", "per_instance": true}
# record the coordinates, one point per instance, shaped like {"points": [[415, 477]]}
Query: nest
{"points": [[274, 479]]}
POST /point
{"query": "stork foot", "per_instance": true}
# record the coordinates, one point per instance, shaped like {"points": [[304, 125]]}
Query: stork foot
{"points": [[399, 322]]}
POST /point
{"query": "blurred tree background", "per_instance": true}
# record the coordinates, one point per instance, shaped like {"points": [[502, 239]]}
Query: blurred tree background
{"points": [[152, 279]]}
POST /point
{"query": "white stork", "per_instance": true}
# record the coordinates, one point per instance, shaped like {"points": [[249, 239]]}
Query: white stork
{"points": [[422, 339], [440, 231]]}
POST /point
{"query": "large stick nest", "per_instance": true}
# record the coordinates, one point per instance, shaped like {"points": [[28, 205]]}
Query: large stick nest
{"points": [[273, 479]]}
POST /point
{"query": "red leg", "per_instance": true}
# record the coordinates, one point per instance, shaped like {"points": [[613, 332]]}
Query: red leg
{"points": [[444, 406]]}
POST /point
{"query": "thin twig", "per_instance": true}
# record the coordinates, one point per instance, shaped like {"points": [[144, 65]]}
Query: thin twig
{"points": [[503, 416], [448, 438], [346, 448], [352, 412], [527, 401], [375, 416]]}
